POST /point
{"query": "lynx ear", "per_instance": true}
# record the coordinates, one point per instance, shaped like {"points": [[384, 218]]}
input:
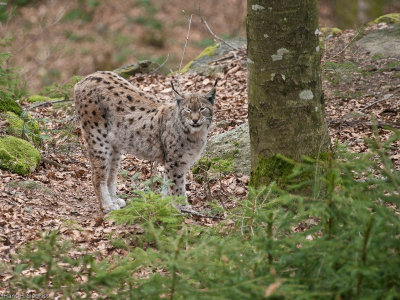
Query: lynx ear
{"points": [[178, 96], [210, 96]]}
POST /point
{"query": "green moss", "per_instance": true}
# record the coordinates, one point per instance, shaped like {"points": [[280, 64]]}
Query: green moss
{"points": [[287, 172], [25, 127], [209, 51], [18, 155], [330, 31], [393, 18], [187, 67], [38, 98], [274, 168], [214, 166], [8, 104]]}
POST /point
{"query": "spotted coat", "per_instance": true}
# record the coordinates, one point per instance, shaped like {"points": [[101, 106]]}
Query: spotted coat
{"points": [[116, 117]]}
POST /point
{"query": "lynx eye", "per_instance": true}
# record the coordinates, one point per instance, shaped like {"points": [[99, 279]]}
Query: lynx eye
{"points": [[187, 109], [202, 109]]}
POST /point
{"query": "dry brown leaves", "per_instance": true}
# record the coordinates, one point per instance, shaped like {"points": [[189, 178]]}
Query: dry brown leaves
{"points": [[64, 198]]}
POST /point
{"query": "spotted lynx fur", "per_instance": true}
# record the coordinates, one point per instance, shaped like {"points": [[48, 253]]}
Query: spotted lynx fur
{"points": [[115, 118]]}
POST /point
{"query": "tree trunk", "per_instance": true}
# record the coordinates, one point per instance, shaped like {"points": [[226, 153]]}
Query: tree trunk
{"points": [[286, 106]]}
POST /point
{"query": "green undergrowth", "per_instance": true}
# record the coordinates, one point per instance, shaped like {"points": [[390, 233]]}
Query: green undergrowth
{"points": [[339, 242], [12, 87]]}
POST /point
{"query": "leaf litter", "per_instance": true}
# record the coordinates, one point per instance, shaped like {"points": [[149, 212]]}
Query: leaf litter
{"points": [[64, 200]]}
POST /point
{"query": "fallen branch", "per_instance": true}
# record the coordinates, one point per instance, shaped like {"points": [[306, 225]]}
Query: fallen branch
{"points": [[48, 103], [223, 58], [376, 102], [54, 163], [340, 122]]}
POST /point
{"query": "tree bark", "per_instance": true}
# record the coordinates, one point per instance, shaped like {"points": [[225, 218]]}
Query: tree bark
{"points": [[286, 106]]}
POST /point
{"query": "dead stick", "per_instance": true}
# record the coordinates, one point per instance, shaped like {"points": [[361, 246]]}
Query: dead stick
{"points": [[160, 66], [48, 103], [184, 49], [215, 36], [376, 102], [54, 163]]}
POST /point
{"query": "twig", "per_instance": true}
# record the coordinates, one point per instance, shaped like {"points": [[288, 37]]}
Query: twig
{"points": [[49, 102], [378, 101], [160, 66], [217, 37], [224, 58], [54, 163], [184, 50], [345, 47]]}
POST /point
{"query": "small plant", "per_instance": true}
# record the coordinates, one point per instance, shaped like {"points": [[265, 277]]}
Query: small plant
{"points": [[63, 91], [84, 11], [149, 208]]}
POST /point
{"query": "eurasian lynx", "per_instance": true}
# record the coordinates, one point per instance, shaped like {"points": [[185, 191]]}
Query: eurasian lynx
{"points": [[116, 117]]}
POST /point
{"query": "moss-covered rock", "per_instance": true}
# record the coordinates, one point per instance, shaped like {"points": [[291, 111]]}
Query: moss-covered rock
{"points": [[38, 98], [23, 127], [213, 166], [384, 42], [202, 63], [18, 155], [232, 146], [144, 66], [393, 18], [8, 104]]}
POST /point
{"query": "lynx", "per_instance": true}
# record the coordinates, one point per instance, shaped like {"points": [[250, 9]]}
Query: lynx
{"points": [[116, 117]]}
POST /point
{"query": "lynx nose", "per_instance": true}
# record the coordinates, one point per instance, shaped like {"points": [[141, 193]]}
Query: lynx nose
{"points": [[195, 118]]}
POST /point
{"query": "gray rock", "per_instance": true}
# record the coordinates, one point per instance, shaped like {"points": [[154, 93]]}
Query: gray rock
{"points": [[232, 144], [144, 66], [202, 63], [385, 41]]}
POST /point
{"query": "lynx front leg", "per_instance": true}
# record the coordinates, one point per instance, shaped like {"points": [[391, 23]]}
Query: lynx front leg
{"points": [[175, 178], [115, 159]]}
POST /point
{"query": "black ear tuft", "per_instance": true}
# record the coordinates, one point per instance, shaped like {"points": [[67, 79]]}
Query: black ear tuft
{"points": [[211, 96], [178, 96]]}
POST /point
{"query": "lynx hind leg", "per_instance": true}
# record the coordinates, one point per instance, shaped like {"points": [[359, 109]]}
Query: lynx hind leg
{"points": [[99, 178], [99, 155], [115, 159]]}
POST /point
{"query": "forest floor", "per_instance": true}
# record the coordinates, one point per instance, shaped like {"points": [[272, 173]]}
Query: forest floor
{"points": [[357, 87]]}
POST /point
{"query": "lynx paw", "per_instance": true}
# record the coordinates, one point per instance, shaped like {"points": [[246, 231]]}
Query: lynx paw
{"points": [[111, 207], [120, 202]]}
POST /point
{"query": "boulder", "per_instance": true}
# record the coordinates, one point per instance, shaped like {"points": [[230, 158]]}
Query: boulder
{"points": [[385, 42], [144, 66], [232, 146], [24, 127], [202, 63], [9, 104], [393, 18], [18, 155]]}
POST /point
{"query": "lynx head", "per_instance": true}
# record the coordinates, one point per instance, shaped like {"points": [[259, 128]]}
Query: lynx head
{"points": [[195, 110]]}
